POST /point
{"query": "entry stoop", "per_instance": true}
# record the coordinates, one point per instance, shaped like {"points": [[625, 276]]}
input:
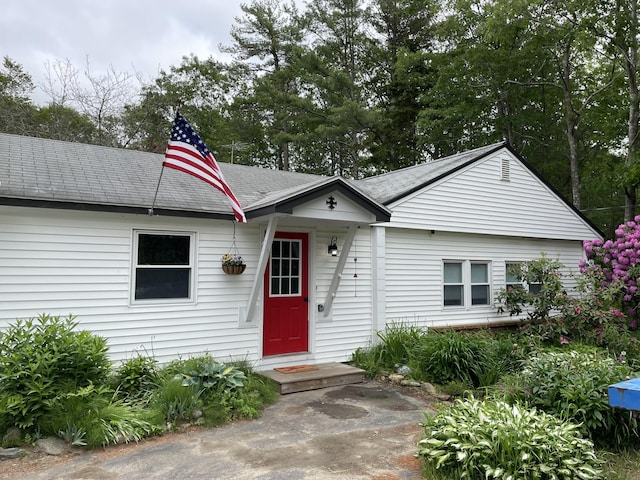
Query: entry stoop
{"points": [[323, 375]]}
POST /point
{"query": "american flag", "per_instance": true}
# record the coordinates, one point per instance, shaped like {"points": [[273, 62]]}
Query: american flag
{"points": [[187, 152]]}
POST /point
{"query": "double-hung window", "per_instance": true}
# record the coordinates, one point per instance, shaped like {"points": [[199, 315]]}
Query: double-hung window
{"points": [[480, 291], [514, 275], [163, 266], [466, 283], [453, 285]]}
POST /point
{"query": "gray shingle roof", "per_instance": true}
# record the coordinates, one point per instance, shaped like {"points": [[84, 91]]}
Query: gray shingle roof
{"points": [[392, 186], [42, 170], [50, 170]]}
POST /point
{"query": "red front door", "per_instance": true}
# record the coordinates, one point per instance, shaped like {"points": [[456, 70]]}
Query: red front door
{"points": [[286, 310]]}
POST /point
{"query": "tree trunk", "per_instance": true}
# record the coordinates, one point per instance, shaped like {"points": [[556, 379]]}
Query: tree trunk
{"points": [[630, 63], [571, 120]]}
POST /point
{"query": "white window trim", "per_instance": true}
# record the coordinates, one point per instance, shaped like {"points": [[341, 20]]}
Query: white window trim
{"points": [[134, 269], [466, 283], [506, 272], [487, 284]]}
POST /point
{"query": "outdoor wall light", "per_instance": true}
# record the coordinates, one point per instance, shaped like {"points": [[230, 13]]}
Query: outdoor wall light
{"points": [[333, 246]]}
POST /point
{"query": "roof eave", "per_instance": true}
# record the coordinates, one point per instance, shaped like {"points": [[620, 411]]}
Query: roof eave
{"points": [[98, 207]]}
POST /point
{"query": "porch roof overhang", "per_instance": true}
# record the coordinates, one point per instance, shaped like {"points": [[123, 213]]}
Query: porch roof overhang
{"points": [[330, 200], [318, 201]]}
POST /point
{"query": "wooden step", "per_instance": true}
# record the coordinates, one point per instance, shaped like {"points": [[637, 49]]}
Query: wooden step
{"points": [[322, 375]]}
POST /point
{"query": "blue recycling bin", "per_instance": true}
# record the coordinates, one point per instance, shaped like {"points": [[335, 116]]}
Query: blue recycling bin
{"points": [[625, 394]]}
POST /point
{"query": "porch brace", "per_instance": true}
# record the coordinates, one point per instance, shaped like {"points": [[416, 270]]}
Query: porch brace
{"points": [[337, 274], [265, 251]]}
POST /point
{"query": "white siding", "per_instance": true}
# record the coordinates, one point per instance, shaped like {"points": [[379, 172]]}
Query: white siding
{"points": [[476, 200], [64, 262], [349, 325], [67, 262], [414, 272]]}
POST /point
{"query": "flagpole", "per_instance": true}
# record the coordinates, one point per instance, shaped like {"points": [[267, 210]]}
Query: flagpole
{"points": [[150, 211]]}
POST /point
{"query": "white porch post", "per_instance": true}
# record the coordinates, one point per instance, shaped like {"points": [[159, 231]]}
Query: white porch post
{"points": [[378, 252]]}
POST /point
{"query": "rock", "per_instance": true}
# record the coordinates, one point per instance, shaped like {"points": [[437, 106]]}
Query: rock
{"points": [[13, 436], [396, 378], [196, 414], [11, 453], [410, 383], [403, 370], [52, 446], [429, 388]]}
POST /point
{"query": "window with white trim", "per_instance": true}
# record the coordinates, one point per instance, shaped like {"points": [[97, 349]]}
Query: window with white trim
{"points": [[512, 275], [466, 283], [453, 285], [480, 291], [513, 278], [163, 266]]}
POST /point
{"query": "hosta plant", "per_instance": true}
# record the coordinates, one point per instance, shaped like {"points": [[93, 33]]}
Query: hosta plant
{"points": [[475, 439], [214, 376], [573, 385]]}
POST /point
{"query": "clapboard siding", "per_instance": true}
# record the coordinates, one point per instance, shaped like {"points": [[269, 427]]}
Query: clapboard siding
{"points": [[414, 272], [64, 262], [349, 324], [475, 200]]}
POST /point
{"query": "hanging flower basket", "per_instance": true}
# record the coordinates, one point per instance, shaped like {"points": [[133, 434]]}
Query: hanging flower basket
{"points": [[232, 263], [233, 269]]}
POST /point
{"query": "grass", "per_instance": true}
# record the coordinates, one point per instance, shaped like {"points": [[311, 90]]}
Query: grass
{"points": [[622, 465]]}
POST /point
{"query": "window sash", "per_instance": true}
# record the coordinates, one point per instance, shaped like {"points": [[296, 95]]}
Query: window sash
{"points": [[480, 291], [453, 284], [466, 283], [511, 280], [163, 267]]}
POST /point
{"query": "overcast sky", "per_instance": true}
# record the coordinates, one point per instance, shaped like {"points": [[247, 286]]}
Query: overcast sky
{"points": [[131, 35]]}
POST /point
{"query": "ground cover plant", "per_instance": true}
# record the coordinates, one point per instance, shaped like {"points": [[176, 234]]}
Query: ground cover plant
{"points": [[476, 439], [572, 385], [58, 381]]}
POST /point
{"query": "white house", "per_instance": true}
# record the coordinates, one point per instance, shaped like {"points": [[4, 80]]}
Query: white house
{"points": [[426, 245]]}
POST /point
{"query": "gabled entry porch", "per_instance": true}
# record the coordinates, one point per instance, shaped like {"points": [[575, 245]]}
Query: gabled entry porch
{"points": [[298, 274]]}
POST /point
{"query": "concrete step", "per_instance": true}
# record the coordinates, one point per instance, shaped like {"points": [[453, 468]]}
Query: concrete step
{"points": [[322, 375]]}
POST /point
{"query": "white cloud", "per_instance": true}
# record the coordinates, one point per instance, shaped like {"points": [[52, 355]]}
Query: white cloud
{"points": [[130, 35]]}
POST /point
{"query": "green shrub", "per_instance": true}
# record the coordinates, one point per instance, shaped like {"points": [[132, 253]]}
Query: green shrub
{"points": [[573, 385], [474, 358], [175, 401], [475, 439], [214, 376], [220, 392], [398, 340], [91, 416], [136, 378], [369, 359], [42, 358], [539, 302]]}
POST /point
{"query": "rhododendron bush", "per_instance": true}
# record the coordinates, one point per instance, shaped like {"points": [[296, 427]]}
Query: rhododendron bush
{"points": [[616, 263], [600, 311]]}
